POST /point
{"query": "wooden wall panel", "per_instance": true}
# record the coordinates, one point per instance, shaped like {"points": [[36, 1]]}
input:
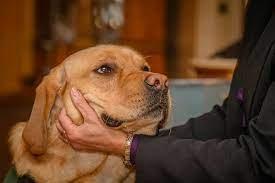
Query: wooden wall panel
{"points": [[15, 44], [144, 30], [186, 37]]}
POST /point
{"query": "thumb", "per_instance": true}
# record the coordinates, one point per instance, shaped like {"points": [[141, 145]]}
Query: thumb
{"points": [[82, 105]]}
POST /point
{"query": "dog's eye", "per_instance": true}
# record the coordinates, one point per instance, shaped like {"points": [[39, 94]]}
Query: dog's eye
{"points": [[104, 69], [146, 68]]}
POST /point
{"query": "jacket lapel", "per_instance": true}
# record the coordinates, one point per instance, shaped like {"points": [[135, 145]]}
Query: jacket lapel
{"points": [[255, 64]]}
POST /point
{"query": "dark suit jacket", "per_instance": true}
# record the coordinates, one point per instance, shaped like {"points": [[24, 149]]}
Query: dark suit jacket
{"points": [[234, 142]]}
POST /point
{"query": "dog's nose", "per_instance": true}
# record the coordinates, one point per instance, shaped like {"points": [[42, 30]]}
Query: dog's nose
{"points": [[156, 81]]}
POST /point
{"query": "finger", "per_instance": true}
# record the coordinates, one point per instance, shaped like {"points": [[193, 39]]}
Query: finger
{"points": [[61, 131], [77, 146], [82, 105], [65, 122], [64, 139], [59, 127]]}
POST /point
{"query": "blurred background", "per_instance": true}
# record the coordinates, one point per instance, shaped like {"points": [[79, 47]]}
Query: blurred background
{"points": [[194, 42]]}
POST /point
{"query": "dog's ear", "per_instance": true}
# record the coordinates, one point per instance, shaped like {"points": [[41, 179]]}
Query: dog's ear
{"points": [[35, 132]]}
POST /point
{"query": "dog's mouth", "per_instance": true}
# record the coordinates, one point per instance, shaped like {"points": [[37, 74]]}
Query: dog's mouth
{"points": [[111, 122], [157, 108], [154, 110]]}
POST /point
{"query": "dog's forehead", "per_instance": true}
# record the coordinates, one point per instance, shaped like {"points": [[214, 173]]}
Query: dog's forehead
{"points": [[94, 55]]}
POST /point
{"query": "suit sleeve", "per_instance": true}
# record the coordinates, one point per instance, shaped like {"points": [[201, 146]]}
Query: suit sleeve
{"points": [[198, 128], [248, 158]]}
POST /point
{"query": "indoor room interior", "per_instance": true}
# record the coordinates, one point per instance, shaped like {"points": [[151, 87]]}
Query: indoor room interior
{"points": [[194, 42]]}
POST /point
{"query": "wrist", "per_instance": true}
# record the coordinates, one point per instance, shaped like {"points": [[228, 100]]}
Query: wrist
{"points": [[127, 149], [125, 145], [118, 140]]}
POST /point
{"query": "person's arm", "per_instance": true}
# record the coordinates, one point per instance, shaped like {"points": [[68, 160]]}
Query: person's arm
{"points": [[248, 158]]}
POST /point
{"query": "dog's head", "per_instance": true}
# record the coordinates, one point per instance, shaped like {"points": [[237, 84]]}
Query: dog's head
{"points": [[116, 81]]}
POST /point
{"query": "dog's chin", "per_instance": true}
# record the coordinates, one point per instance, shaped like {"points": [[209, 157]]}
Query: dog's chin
{"points": [[157, 114]]}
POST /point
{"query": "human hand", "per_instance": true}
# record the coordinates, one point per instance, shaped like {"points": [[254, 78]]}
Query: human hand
{"points": [[93, 134]]}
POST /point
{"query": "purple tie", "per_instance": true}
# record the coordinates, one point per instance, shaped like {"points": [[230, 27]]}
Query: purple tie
{"points": [[240, 95], [240, 98]]}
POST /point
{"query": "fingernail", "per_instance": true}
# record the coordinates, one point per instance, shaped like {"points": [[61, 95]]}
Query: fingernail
{"points": [[74, 92]]}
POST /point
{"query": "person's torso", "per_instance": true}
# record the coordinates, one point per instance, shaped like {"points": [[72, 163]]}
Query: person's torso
{"points": [[252, 77]]}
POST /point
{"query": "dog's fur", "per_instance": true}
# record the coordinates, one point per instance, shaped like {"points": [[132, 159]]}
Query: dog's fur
{"points": [[35, 145]]}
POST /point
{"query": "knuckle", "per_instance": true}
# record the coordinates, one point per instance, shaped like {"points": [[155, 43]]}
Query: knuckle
{"points": [[74, 146], [78, 102], [77, 147], [73, 136]]}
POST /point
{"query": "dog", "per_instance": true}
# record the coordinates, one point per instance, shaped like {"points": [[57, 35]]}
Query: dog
{"points": [[117, 82]]}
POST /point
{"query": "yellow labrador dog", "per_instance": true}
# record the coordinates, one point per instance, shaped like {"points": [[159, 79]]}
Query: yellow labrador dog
{"points": [[116, 81]]}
